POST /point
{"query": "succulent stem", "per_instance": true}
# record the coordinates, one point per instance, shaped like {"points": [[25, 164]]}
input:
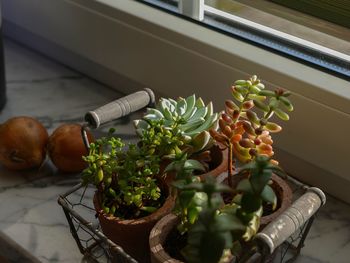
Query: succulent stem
{"points": [[230, 166]]}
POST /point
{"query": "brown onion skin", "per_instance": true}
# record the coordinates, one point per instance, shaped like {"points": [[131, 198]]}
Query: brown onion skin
{"points": [[66, 148], [22, 143]]}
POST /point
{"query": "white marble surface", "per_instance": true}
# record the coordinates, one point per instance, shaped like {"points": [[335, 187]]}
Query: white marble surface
{"points": [[29, 211]]}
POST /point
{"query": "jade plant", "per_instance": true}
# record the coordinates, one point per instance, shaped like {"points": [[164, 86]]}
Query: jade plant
{"points": [[186, 121], [126, 179], [245, 131], [188, 202], [215, 231]]}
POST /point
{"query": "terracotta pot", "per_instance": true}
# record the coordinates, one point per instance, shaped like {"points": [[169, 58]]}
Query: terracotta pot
{"points": [[284, 197], [218, 162], [218, 165], [158, 237], [132, 235]]}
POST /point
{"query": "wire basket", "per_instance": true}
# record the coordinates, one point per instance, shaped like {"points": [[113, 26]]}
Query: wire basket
{"points": [[96, 247], [77, 204]]}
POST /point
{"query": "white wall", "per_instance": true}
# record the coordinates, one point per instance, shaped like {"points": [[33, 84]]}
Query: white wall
{"points": [[127, 45]]}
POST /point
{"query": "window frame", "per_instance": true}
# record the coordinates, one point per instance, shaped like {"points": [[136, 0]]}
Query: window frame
{"points": [[284, 44]]}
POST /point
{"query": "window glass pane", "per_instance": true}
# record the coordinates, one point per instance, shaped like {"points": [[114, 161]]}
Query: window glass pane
{"points": [[289, 21], [336, 11], [265, 23]]}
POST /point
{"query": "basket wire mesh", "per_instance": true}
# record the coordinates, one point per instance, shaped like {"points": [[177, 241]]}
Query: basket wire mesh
{"points": [[96, 247], [77, 204]]}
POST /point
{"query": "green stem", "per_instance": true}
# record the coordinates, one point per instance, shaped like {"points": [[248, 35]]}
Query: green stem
{"points": [[241, 107], [229, 168]]}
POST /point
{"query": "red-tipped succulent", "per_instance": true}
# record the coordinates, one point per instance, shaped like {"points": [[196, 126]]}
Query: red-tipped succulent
{"points": [[243, 131]]}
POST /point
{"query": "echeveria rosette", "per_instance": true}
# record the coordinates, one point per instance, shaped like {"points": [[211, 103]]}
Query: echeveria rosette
{"points": [[189, 117]]}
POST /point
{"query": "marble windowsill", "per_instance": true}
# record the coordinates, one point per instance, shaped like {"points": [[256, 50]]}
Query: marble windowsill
{"points": [[30, 215]]}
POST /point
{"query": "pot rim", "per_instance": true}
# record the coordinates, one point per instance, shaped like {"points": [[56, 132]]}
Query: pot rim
{"points": [[158, 236], [169, 202], [222, 167]]}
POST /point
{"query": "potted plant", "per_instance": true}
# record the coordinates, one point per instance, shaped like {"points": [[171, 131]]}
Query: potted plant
{"points": [[202, 228], [130, 196], [247, 133], [186, 121], [130, 184]]}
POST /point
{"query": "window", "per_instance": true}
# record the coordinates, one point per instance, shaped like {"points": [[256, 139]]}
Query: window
{"points": [[268, 24]]}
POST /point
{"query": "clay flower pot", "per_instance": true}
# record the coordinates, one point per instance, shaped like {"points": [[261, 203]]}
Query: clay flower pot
{"points": [[132, 235], [158, 237], [283, 193], [284, 198], [218, 162]]}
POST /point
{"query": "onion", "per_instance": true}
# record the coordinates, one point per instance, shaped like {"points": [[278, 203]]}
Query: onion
{"points": [[66, 148], [22, 143]]}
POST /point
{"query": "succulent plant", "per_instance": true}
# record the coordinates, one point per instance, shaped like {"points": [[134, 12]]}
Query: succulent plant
{"points": [[245, 132], [213, 230], [126, 179], [189, 117]]}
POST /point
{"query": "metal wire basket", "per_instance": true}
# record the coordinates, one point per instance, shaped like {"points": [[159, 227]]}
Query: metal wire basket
{"points": [[96, 247], [275, 243]]}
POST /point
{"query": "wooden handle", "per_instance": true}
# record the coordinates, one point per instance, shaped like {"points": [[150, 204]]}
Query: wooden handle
{"points": [[120, 107], [278, 231]]}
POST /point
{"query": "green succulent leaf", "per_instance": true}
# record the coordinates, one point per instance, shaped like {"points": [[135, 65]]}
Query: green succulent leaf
{"points": [[241, 89], [269, 196], [141, 124], [210, 108], [273, 127], [254, 89], [253, 225], [189, 114], [286, 102], [273, 103], [191, 101], [245, 186], [227, 222], [155, 112], [238, 96], [192, 125], [200, 113], [193, 213], [152, 117], [181, 106], [259, 179], [200, 141], [260, 105], [250, 202], [173, 102], [281, 114], [256, 97], [208, 123], [149, 209], [260, 85], [200, 103], [267, 93], [252, 117], [166, 104], [167, 114], [193, 165], [185, 197], [241, 82]]}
